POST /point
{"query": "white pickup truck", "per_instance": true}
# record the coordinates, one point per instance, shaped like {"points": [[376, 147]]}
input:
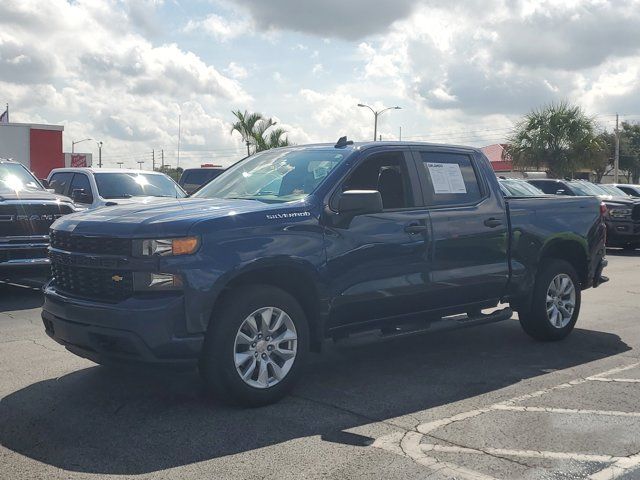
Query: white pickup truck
{"points": [[97, 187]]}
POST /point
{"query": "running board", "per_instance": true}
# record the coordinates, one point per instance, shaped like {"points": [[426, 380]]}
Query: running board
{"points": [[452, 322]]}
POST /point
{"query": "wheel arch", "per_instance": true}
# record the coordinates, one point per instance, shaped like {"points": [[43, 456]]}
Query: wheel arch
{"points": [[298, 278]]}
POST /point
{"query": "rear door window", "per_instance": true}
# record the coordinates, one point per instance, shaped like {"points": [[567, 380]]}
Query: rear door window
{"points": [[60, 182], [451, 179]]}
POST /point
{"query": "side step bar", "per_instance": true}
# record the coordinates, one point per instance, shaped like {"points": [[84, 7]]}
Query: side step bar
{"points": [[453, 322]]}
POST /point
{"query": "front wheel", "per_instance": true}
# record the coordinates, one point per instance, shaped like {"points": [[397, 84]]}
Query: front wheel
{"points": [[255, 346], [555, 303]]}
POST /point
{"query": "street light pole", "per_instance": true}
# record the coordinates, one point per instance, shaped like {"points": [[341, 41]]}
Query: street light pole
{"points": [[120, 164], [140, 162], [99, 154], [73, 143], [376, 114]]}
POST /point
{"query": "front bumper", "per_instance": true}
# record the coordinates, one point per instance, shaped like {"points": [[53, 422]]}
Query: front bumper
{"points": [[621, 233], [24, 252], [134, 331]]}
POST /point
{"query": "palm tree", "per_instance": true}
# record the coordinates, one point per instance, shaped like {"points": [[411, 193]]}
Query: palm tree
{"points": [[254, 129], [245, 125], [560, 138]]}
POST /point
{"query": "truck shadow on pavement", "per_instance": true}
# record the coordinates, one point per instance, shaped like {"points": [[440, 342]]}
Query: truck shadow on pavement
{"points": [[97, 420], [19, 298]]}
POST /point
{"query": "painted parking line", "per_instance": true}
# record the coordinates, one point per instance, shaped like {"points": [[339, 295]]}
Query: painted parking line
{"points": [[410, 443]]}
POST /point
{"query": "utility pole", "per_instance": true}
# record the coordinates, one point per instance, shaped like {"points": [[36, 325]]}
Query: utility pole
{"points": [[179, 124], [616, 160], [120, 164], [380, 138], [99, 154], [400, 135], [153, 160], [162, 159], [140, 162]]}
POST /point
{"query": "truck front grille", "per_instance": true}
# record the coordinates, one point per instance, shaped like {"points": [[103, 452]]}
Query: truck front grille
{"points": [[636, 213], [24, 219], [86, 244], [92, 283]]}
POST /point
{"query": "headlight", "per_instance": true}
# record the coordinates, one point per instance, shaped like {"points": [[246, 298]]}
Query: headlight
{"points": [[620, 212], [169, 246], [154, 282]]}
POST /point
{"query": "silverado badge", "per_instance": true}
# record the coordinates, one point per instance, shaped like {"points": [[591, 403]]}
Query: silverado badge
{"points": [[116, 278]]}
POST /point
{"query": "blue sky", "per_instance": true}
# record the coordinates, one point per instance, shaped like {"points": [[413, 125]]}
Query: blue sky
{"points": [[121, 71]]}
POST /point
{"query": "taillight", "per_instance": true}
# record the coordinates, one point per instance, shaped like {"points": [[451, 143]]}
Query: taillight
{"points": [[603, 209]]}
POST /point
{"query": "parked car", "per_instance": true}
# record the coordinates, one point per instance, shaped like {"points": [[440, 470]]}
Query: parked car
{"points": [[611, 190], [623, 212], [629, 189], [294, 245], [27, 211], [512, 187], [193, 179], [98, 187]]}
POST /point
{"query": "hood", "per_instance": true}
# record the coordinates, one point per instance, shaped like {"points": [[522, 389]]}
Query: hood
{"points": [[170, 217], [619, 201], [35, 196]]}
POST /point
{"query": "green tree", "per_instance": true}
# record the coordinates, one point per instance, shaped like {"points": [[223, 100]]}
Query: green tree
{"points": [[245, 125], [257, 131], [630, 151], [559, 138], [602, 160]]}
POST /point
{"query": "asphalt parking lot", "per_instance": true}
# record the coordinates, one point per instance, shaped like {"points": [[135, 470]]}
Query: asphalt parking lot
{"points": [[481, 403]]}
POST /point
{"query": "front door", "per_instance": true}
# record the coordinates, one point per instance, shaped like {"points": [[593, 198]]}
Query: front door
{"points": [[469, 261], [377, 264]]}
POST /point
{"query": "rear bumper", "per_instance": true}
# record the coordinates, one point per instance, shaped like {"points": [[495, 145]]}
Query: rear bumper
{"points": [[135, 331]]}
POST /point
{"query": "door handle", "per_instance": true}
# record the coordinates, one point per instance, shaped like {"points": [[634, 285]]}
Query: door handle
{"points": [[492, 222], [414, 228]]}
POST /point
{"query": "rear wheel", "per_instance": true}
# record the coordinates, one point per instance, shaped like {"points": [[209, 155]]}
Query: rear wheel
{"points": [[555, 303], [255, 346]]}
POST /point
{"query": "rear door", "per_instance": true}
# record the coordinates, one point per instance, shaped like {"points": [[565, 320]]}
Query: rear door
{"points": [[469, 256]]}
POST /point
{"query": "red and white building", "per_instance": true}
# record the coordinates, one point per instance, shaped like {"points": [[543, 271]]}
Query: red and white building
{"points": [[38, 147], [495, 153]]}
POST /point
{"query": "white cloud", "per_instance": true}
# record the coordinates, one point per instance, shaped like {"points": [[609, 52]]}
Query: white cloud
{"points": [[236, 71], [219, 27]]}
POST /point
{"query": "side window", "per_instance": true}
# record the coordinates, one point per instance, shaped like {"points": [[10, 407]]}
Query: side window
{"points": [[60, 182], [451, 177], [549, 187], [81, 182], [387, 173]]}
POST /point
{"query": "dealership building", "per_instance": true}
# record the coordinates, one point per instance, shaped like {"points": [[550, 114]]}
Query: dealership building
{"points": [[38, 147]]}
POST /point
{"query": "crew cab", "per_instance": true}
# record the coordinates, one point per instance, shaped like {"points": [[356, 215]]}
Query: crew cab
{"points": [[99, 187], [294, 245], [27, 211], [623, 212]]}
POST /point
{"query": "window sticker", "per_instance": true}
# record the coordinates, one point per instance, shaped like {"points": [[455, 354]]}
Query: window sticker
{"points": [[446, 178]]}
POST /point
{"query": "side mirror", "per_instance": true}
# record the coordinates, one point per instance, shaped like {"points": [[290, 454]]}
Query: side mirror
{"points": [[360, 202], [79, 195]]}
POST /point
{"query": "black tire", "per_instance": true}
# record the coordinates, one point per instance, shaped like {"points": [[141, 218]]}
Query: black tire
{"points": [[217, 366], [535, 321]]}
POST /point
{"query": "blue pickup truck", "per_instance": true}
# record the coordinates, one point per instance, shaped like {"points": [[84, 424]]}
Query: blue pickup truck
{"points": [[291, 246]]}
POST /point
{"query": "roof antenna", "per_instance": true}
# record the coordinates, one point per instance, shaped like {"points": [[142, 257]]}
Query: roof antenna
{"points": [[343, 142]]}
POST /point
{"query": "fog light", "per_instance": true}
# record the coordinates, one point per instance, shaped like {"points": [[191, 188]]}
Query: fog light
{"points": [[152, 282]]}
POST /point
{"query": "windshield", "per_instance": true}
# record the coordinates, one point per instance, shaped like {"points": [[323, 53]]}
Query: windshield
{"points": [[518, 188], [14, 177], [586, 189], [611, 190], [127, 185], [273, 176]]}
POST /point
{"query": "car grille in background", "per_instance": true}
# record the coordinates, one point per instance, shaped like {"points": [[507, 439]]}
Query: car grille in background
{"points": [[24, 219], [92, 283], [636, 213], [84, 244]]}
